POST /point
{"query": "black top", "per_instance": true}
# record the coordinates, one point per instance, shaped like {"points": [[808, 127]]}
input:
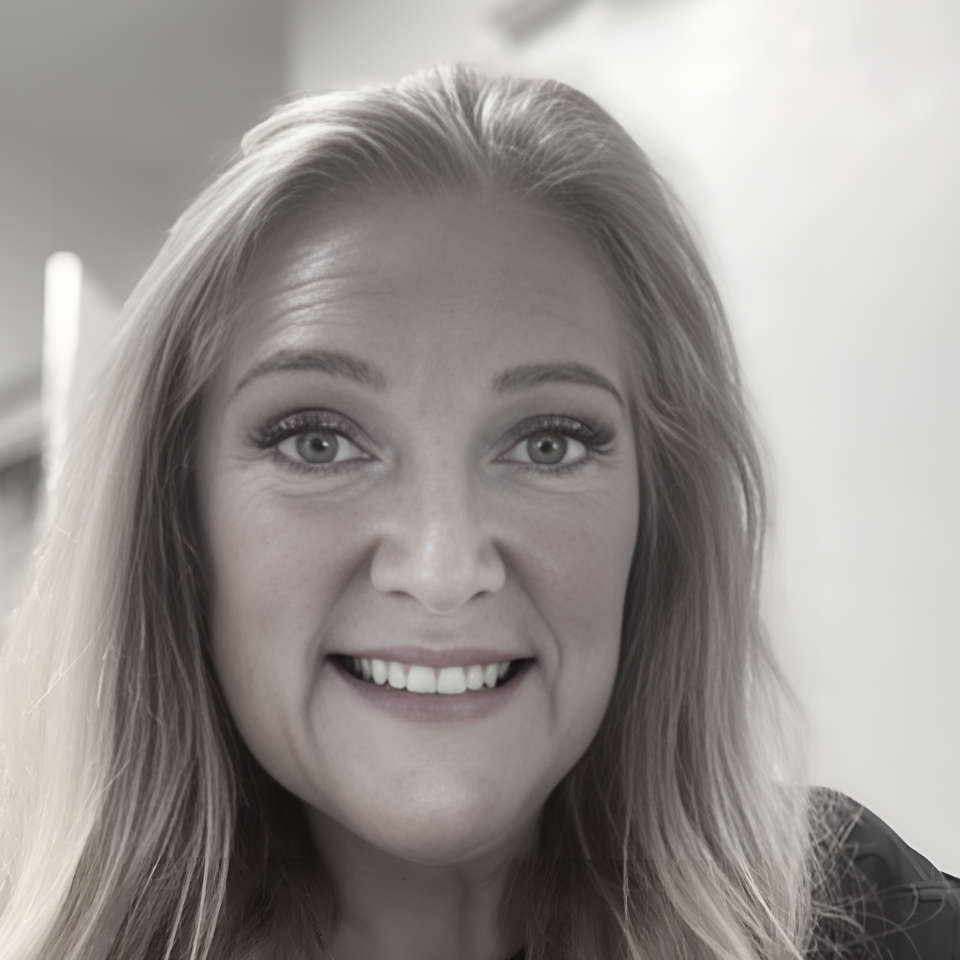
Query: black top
{"points": [[909, 909]]}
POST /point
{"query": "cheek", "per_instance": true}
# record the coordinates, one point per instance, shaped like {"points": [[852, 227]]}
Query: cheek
{"points": [[583, 555], [578, 565], [273, 564], [286, 572], [276, 577]]}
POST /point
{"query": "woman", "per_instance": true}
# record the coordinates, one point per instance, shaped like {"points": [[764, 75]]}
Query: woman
{"points": [[400, 596]]}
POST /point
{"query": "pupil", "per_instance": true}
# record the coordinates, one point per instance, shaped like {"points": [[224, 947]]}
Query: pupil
{"points": [[547, 448], [320, 447]]}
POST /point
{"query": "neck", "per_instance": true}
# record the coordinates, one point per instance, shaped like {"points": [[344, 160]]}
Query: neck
{"points": [[391, 908]]}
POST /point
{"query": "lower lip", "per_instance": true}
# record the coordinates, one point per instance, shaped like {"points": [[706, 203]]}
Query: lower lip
{"points": [[435, 707]]}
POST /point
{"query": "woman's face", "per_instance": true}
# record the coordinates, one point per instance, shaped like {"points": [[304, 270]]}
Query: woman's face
{"points": [[417, 464]]}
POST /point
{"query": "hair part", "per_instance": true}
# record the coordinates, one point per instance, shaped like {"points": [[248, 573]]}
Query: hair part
{"points": [[136, 825]]}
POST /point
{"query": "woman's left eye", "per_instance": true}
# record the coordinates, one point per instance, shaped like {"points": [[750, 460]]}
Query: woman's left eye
{"points": [[319, 447], [547, 448]]}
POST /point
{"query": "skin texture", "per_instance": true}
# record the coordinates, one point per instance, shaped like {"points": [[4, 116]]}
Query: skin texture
{"points": [[432, 529]]}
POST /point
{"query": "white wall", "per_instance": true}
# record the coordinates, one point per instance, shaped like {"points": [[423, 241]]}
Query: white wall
{"points": [[112, 116], [54, 197], [352, 42], [79, 320], [817, 144]]}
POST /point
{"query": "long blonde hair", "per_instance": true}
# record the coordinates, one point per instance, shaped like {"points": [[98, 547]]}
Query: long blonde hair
{"points": [[134, 824]]}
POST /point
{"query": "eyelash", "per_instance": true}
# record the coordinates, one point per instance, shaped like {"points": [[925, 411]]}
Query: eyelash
{"points": [[273, 434], [596, 440]]}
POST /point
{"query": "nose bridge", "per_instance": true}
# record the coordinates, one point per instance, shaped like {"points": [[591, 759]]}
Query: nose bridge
{"points": [[437, 545]]}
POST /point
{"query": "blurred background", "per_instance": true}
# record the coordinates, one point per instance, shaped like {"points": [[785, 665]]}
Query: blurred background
{"points": [[817, 145]]}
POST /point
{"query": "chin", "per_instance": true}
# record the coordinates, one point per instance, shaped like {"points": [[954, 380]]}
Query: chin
{"points": [[453, 847], [452, 823]]}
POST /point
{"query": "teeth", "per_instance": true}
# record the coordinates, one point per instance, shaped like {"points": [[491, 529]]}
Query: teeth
{"points": [[397, 675], [418, 679], [451, 680]]}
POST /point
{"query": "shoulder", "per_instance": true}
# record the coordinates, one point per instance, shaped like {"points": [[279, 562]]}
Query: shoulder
{"points": [[908, 908]]}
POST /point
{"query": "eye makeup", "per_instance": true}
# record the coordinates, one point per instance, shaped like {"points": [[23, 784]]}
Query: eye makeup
{"points": [[596, 439], [595, 436], [272, 434]]}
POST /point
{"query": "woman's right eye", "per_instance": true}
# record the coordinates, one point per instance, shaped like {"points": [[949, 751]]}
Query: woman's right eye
{"points": [[319, 447]]}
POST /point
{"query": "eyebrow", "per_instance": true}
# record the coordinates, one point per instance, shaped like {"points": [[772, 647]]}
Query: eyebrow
{"points": [[538, 374], [330, 362], [346, 366]]}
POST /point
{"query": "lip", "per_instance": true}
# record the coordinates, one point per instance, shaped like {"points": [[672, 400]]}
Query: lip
{"points": [[433, 707], [436, 658]]}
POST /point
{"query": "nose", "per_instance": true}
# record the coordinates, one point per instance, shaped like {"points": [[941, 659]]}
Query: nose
{"points": [[436, 546]]}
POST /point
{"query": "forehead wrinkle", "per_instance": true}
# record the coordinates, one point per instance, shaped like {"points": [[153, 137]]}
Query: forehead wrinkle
{"points": [[337, 276], [305, 297]]}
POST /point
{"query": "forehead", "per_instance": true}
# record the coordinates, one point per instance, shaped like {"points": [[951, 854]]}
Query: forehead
{"points": [[471, 281]]}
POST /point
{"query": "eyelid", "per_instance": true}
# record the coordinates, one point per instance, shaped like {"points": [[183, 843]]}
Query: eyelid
{"points": [[561, 463], [588, 434], [594, 438], [295, 424], [301, 461]]}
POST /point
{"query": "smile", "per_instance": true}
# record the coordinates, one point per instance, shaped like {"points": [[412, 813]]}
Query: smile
{"points": [[414, 678]]}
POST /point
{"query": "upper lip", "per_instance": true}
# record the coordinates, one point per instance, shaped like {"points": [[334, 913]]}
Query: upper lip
{"points": [[435, 658]]}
